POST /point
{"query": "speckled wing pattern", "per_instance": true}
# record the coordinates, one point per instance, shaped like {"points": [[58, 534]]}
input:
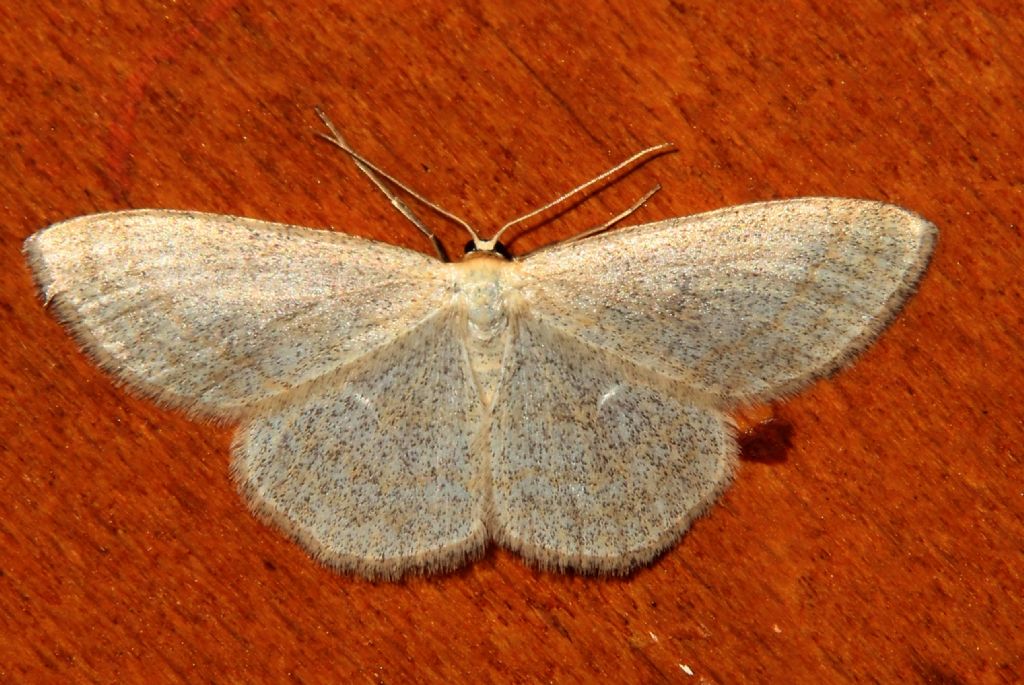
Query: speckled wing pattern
{"points": [[348, 363], [218, 314], [374, 469], [740, 304], [611, 435], [595, 467], [337, 354]]}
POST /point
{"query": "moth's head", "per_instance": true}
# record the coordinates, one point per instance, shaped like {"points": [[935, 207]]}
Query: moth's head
{"points": [[479, 248]]}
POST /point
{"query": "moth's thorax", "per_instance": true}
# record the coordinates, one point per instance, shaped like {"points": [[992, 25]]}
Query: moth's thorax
{"points": [[483, 285]]}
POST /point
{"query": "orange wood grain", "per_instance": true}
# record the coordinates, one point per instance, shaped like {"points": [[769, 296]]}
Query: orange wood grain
{"points": [[874, 532]]}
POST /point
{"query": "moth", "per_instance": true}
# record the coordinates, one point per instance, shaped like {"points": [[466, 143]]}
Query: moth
{"points": [[397, 412]]}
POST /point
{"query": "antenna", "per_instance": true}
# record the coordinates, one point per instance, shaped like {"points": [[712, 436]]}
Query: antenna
{"points": [[375, 174], [378, 176], [649, 153]]}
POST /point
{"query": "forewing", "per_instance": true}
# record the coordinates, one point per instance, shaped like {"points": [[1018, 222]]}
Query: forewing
{"points": [[595, 468], [218, 314], [743, 303], [374, 470]]}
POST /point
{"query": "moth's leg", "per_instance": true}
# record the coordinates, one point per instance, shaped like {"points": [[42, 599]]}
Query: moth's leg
{"points": [[607, 224], [637, 159], [378, 176]]}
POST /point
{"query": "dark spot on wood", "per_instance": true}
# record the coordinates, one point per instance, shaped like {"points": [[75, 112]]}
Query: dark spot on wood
{"points": [[767, 442]]}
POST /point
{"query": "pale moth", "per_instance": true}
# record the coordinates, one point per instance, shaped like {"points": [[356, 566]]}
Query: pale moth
{"points": [[397, 412]]}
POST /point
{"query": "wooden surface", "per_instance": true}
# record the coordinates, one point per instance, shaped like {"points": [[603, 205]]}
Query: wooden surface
{"points": [[874, 532]]}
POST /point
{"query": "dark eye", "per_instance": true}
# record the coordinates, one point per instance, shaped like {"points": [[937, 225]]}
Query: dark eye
{"points": [[499, 249]]}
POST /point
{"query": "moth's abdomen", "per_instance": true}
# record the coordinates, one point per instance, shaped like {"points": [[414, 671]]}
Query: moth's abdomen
{"points": [[482, 290]]}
